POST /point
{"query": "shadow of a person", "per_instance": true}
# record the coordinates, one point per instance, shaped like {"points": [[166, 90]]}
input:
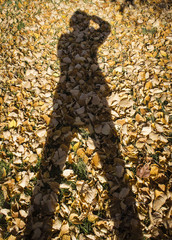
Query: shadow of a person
{"points": [[80, 101]]}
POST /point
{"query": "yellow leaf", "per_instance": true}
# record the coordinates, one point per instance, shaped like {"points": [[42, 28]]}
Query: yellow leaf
{"points": [[118, 17], [147, 99], [46, 119], [11, 237], [12, 124], [164, 54], [3, 172], [18, 177], [96, 161], [76, 146], [85, 159], [162, 186], [154, 170], [66, 237], [92, 217], [158, 193], [81, 152], [117, 8], [20, 223], [70, 158], [89, 151], [36, 35], [129, 174], [148, 85], [20, 139], [141, 76], [19, 5], [139, 118]]}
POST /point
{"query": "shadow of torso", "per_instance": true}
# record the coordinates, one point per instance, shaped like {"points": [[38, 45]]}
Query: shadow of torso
{"points": [[82, 85]]}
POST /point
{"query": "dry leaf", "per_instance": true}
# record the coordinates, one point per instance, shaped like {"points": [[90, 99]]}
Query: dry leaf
{"points": [[68, 173], [57, 224], [76, 146], [126, 103], [74, 218], [41, 133], [106, 129], [146, 130], [12, 124], [90, 195], [158, 193], [96, 161], [143, 171], [159, 202], [11, 237], [154, 170], [64, 228], [92, 217], [20, 224]]}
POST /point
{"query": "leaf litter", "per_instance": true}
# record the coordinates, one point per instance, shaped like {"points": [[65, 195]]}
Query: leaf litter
{"points": [[87, 198]]}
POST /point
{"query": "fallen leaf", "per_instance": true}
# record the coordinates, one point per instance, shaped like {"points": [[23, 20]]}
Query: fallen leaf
{"points": [[12, 124], [146, 130], [68, 173], [158, 193], [92, 217], [20, 223], [126, 103], [154, 170], [106, 129], [159, 202], [11, 237], [74, 218], [57, 224], [96, 161], [64, 228], [143, 171], [46, 119], [41, 133], [76, 146]]}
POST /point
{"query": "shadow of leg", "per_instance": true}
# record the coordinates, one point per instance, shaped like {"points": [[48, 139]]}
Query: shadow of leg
{"points": [[123, 206], [46, 193]]}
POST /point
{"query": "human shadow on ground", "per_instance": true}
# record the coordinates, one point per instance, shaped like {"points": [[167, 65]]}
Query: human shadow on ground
{"points": [[80, 102]]}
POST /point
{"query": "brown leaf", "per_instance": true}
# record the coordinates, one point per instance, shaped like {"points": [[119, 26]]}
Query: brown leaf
{"points": [[126, 103], [143, 172], [157, 204]]}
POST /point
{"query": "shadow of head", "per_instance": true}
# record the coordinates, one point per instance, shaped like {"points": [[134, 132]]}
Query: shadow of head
{"points": [[79, 20]]}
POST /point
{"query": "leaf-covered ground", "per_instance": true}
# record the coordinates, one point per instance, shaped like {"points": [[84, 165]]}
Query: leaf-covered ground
{"points": [[84, 134]]}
